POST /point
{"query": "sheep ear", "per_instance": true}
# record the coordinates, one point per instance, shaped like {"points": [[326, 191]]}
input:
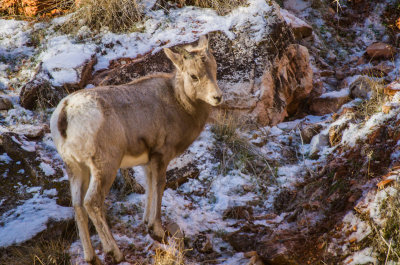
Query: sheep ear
{"points": [[175, 58], [203, 43]]}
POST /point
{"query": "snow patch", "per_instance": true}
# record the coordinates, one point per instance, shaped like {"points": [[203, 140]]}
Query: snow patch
{"points": [[30, 218], [47, 169], [364, 256], [5, 158], [336, 94]]}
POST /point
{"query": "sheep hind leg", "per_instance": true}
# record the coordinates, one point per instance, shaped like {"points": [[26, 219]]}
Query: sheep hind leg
{"points": [[99, 186], [79, 179]]}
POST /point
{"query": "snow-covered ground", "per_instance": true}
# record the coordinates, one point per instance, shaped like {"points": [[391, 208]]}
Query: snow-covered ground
{"points": [[198, 206], [60, 56]]}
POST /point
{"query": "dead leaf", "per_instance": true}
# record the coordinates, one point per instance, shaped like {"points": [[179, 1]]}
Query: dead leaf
{"points": [[383, 183]]}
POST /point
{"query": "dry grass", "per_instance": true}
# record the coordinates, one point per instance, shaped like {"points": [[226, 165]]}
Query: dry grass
{"points": [[44, 252], [221, 6], [124, 15], [385, 239], [373, 105], [126, 183], [170, 254], [237, 153], [116, 15]]}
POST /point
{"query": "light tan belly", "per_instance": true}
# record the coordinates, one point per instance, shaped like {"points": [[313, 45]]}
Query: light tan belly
{"points": [[131, 161]]}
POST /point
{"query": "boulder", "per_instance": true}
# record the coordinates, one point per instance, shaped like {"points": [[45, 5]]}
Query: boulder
{"points": [[275, 253], [296, 6], [327, 104], [300, 28], [286, 83], [39, 92], [178, 176], [5, 103], [380, 50], [33, 132], [124, 70], [264, 79]]}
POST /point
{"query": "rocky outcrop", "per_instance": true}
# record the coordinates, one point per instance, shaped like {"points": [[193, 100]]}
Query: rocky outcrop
{"points": [[39, 92], [265, 80], [286, 83], [20, 163], [265, 77], [300, 28], [124, 70]]}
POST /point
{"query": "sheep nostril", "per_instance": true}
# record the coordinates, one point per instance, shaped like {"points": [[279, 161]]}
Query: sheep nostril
{"points": [[218, 98]]}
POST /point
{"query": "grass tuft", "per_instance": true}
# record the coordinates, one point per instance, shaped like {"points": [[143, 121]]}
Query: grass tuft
{"points": [[386, 237], [236, 152], [221, 6], [172, 253], [116, 15], [52, 252], [374, 104], [125, 15]]}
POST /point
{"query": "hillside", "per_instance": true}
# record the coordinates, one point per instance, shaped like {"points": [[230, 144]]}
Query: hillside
{"points": [[299, 165]]}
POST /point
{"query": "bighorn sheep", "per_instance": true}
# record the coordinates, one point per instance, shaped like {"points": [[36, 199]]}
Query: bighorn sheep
{"points": [[148, 122]]}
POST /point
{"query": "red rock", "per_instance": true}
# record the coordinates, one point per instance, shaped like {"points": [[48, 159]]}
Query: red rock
{"points": [[300, 28], [361, 60], [380, 50], [286, 84], [392, 88], [375, 135], [325, 105], [327, 73]]}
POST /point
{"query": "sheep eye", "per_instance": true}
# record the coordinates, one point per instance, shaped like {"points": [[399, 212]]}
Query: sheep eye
{"points": [[194, 77]]}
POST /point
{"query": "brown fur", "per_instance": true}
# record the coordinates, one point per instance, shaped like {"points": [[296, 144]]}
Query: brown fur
{"points": [[62, 122]]}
